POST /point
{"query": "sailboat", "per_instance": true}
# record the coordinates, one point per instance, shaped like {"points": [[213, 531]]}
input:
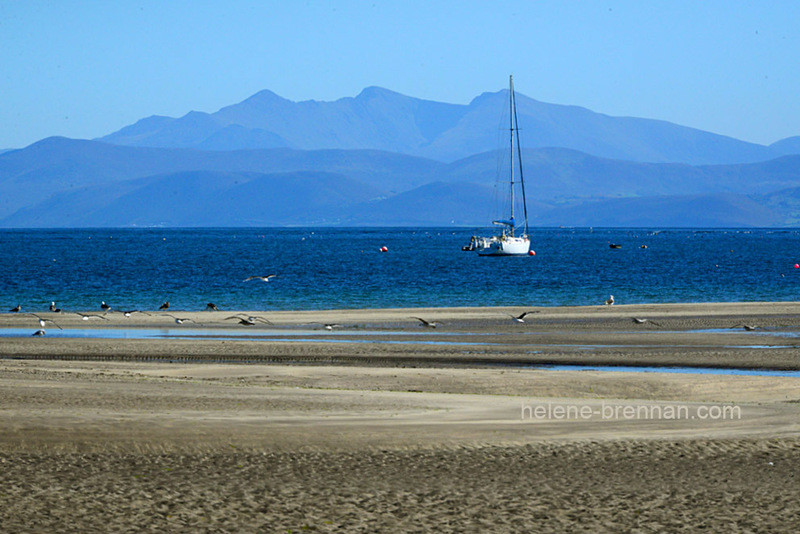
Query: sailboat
{"points": [[513, 239]]}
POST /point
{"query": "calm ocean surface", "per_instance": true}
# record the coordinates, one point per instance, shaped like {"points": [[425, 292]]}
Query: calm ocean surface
{"points": [[333, 268]]}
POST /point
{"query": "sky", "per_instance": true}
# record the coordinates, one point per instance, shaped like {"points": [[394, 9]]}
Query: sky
{"points": [[83, 69]]}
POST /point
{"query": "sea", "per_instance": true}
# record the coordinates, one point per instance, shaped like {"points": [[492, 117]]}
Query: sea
{"points": [[346, 268]]}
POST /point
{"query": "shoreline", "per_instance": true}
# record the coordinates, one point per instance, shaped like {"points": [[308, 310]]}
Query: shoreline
{"points": [[726, 336], [384, 425]]}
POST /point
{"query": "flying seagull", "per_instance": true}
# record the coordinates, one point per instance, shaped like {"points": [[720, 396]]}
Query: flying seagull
{"points": [[164, 306], [211, 307], [426, 324], [262, 278], [331, 326], [42, 321], [748, 327], [128, 313], [16, 309], [178, 320], [610, 300], [521, 317], [242, 321], [248, 321], [87, 316], [640, 320]]}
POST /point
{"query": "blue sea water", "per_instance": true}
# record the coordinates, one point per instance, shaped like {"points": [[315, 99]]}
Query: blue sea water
{"points": [[330, 268]]}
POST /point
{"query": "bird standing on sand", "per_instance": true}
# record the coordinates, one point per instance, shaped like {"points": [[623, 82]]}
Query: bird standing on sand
{"points": [[426, 324], [211, 307], [610, 300], [164, 306], [104, 306], [16, 309], [262, 278], [53, 308]]}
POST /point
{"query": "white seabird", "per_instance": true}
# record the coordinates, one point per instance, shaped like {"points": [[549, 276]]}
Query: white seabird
{"points": [[426, 324], [642, 320], [87, 316], [178, 320], [262, 278], [521, 317], [128, 313], [748, 327], [249, 320], [42, 321]]}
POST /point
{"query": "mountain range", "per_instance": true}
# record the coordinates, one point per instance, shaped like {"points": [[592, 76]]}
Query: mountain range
{"points": [[383, 158]]}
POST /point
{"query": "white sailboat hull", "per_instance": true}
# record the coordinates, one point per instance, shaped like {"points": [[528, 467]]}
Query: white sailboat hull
{"points": [[503, 246]]}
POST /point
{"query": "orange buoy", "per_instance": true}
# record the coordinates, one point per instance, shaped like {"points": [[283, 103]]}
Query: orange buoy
{"points": [[384, 249], [531, 253]]}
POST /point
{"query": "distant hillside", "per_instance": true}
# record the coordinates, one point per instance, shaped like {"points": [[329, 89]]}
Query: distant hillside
{"points": [[203, 198], [379, 119], [66, 183], [705, 211], [560, 175], [58, 165], [786, 202], [790, 145]]}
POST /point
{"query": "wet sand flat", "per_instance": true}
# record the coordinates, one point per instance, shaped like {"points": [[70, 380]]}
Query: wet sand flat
{"points": [[333, 432]]}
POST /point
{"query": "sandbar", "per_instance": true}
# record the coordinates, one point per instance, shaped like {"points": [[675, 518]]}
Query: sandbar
{"points": [[382, 424]]}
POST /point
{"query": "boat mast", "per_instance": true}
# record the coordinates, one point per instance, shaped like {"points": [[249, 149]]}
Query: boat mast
{"points": [[511, 114], [521, 177]]}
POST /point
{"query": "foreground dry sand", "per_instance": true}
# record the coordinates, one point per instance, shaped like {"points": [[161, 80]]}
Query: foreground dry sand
{"points": [[381, 425]]}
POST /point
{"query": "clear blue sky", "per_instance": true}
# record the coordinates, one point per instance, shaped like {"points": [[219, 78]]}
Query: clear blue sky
{"points": [[83, 69]]}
